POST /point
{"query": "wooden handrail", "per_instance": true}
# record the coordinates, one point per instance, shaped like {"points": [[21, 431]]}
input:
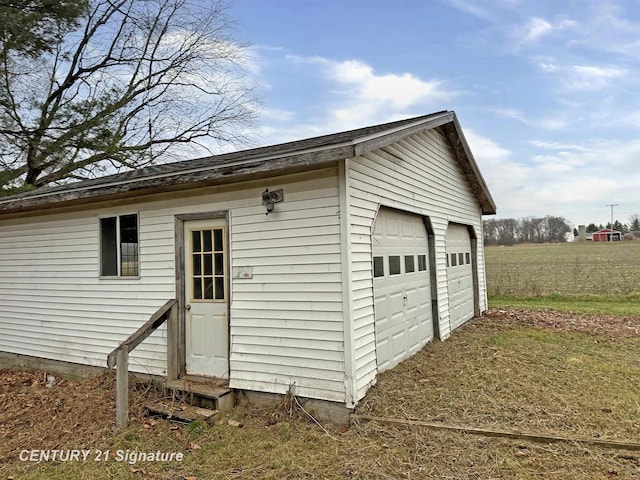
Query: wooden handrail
{"points": [[142, 333], [120, 357]]}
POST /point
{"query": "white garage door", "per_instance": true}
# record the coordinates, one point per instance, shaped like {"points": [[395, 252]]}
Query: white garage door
{"points": [[403, 320], [460, 275]]}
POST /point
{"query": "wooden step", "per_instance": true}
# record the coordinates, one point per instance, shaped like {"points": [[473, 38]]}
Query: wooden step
{"points": [[181, 413], [212, 394]]}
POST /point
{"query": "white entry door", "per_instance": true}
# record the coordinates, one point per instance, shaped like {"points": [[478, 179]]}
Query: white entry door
{"points": [[206, 316]]}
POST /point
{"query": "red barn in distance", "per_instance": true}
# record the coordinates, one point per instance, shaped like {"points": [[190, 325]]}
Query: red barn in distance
{"points": [[607, 235]]}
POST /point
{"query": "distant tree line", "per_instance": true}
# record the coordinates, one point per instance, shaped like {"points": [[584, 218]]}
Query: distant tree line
{"points": [[511, 231], [632, 227]]}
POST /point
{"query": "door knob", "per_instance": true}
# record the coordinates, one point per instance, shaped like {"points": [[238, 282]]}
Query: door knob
{"points": [[187, 308]]}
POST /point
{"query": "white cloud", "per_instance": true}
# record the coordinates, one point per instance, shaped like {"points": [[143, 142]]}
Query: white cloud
{"points": [[568, 180], [581, 77], [535, 28], [510, 113], [558, 146], [472, 8], [362, 96], [399, 91]]}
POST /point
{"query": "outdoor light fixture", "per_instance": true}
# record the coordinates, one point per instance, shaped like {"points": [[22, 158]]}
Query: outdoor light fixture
{"points": [[269, 198]]}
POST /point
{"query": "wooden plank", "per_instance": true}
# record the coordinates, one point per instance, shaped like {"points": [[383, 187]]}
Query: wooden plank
{"points": [[203, 389], [182, 413], [122, 388], [533, 437], [173, 359], [143, 332]]}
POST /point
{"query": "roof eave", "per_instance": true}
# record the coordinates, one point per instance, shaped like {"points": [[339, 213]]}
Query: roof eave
{"points": [[181, 181], [462, 152]]}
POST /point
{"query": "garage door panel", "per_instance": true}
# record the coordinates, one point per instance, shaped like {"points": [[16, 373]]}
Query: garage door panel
{"points": [[460, 275], [403, 320]]}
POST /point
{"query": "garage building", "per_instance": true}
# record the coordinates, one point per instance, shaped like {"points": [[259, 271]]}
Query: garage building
{"points": [[308, 266]]}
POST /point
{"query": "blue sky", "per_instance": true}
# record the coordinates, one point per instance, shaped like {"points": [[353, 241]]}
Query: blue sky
{"points": [[547, 92]]}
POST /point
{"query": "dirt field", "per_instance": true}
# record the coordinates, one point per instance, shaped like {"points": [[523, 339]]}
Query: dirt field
{"points": [[537, 372], [586, 268]]}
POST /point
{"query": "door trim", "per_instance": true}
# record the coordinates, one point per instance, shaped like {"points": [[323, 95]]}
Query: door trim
{"points": [[177, 348]]}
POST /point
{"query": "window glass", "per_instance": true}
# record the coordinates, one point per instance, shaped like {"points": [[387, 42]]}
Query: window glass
{"points": [[207, 245], [208, 287], [461, 259], [468, 258], [378, 266], [207, 260], [394, 264], [208, 271], [196, 243], [219, 283], [197, 288], [409, 264], [219, 263], [119, 246], [454, 259], [422, 263], [197, 264], [217, 240], [129, 245], [108, 247]]}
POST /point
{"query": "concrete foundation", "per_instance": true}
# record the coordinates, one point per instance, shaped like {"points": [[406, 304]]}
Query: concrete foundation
{"points": [[75, 371], [322, 410]]}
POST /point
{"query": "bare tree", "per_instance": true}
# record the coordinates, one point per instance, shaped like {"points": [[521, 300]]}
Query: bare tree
{"points": [[134, 82], [509, 231]]}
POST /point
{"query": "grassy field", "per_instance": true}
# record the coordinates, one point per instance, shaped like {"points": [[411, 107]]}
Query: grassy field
{"points": [[588, 277], [520, 371]]}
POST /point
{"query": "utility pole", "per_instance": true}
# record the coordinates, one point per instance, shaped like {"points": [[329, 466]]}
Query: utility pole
{"points": [[611, 234]]}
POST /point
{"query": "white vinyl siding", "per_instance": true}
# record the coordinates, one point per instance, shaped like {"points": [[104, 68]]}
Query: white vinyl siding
{"points": [[55, 305], [287, 325], [417, 175], [286, 321]]}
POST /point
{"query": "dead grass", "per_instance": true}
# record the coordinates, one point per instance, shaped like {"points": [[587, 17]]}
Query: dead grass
{"points": [[513, 370]]}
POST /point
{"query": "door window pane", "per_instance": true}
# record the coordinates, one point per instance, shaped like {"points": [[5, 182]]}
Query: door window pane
{"points": [[217, 240], [394, 264], [197, 264], [219, 264], [197, 288], [208, 264], [196, 245], [422, 263], [207, 245], [208, 288], [219, 282], [207, 259], [378, 266], [409, 264]]}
